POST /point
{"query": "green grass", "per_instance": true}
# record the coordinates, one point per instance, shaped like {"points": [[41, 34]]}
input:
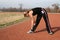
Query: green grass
{"points": [[11, 23], [10, 18]]}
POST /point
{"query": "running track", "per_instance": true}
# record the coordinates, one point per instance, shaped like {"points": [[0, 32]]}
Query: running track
{"points": [[18, 31]]}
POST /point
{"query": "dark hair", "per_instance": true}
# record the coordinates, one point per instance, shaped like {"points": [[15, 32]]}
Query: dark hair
{"points": [[24, 15]]}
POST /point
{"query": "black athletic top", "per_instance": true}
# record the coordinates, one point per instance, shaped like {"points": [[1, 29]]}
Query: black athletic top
{"points": [[36, 10]]}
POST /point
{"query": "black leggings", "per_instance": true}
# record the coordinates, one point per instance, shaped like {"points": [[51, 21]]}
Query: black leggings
{"points": [[46, 19]]}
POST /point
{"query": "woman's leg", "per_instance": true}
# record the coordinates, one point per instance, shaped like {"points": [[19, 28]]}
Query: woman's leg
{"points": [[46, 19], [37, 22]]}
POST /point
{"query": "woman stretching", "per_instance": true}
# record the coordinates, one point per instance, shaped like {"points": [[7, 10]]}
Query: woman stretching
{"points": [[40, 12]]}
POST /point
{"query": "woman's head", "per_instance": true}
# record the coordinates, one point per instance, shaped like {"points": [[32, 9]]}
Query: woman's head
{"points": [[26, 14]]}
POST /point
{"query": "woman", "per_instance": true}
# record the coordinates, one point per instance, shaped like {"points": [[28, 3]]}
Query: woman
{"points": [[40, 12]]}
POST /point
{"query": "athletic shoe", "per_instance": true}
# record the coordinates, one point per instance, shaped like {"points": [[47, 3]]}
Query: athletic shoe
{"points": [[30, 31], [51, 33]]}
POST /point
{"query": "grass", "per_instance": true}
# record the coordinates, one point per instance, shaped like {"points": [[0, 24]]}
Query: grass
{"points": [[11, 23], [9, 18]]}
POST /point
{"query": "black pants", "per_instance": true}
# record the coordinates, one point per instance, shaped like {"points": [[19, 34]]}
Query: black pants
{"points": [[45, 16]]}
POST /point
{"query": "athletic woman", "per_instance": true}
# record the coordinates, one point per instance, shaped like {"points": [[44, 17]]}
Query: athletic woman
{"points": [[40, 12]]}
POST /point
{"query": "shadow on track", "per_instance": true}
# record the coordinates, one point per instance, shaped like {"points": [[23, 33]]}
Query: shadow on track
{"points": [[54, 29]]}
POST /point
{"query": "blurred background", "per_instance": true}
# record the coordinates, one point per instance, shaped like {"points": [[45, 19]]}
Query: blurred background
{"points": [[23, 5]]}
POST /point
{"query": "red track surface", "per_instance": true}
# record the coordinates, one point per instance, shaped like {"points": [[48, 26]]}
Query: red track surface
{"points": [[18, 31]]}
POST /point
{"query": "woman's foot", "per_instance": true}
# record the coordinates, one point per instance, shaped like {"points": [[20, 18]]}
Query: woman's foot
{"points": [[30, 31], [51, 33]]}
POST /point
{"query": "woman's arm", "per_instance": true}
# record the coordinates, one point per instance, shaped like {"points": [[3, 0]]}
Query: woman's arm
{"points": [[31, 17], [29, 14]]}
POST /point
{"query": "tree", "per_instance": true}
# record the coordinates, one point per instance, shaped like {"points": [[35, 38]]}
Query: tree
{"points": [[56, 7], [48, 9]]}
